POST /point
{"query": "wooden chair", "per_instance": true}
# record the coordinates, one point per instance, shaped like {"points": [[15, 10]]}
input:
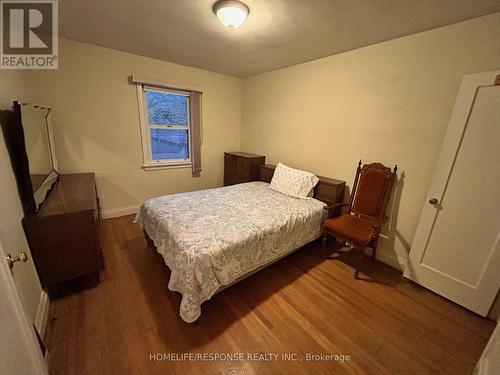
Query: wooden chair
{"points": [[366, 213]]}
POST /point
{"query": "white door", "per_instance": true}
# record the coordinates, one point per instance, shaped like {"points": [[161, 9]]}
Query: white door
{"points": [[456, 249], [14, 241], [19, 349]]}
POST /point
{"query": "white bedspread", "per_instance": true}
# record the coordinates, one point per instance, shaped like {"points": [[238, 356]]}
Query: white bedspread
{"points": [[210, 238]]}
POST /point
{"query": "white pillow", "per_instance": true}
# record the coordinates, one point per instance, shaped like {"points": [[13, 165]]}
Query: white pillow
{"points": [[293, 182], [311, 193]]}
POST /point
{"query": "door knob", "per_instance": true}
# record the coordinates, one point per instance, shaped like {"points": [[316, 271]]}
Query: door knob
{"points": [[433, 201], [22, 257]]}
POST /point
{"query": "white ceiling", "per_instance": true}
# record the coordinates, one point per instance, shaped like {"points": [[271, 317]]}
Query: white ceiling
{"points": [[278, 33]]}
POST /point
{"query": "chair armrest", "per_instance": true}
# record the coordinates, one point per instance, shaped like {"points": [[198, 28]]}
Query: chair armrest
{"points": [[335, 205], [332, 207]]}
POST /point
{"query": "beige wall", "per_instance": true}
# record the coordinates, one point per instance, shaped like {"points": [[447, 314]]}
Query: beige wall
{"points": [[96, 121], [96, 125], [388, 102]]}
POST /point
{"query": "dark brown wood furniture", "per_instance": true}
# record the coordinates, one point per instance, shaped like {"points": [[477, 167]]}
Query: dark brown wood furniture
{"points": [[327, 190], [370, 194], [62, 224], [63, 234], [241, 167]]}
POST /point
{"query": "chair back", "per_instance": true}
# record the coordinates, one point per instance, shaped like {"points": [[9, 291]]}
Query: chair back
{"points": [[372, 189]]}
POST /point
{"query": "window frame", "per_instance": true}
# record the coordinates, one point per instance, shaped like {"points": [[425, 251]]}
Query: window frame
{"points": [[148, 162]]}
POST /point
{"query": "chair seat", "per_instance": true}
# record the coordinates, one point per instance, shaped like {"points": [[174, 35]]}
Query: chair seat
{"points": [[350, 227]]}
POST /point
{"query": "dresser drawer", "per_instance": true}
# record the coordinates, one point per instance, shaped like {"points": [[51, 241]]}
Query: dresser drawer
{"points": [[242, 172], [234, 179], [240, 167], [242, 163], [230, 159], [230, 167]]}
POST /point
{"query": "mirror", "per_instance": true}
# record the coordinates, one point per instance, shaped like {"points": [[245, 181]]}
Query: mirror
{"points": [[37, 141]]}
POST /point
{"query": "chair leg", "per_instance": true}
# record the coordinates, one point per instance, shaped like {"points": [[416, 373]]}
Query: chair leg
{"points": [[360, 259], [374, 250], [323, 249]]}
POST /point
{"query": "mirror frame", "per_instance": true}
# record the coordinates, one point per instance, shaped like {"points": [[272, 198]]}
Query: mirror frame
{"points": [[13, 132]]}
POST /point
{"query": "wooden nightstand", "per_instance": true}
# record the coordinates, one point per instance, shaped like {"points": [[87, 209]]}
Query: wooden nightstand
{"points": [[241, 167]]}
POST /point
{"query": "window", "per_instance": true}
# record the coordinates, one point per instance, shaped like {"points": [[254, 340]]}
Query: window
{"points": [[171, 124], [166, 127]]}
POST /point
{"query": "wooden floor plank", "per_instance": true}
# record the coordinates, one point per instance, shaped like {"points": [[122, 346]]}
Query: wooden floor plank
{"points": [[299, 305]]}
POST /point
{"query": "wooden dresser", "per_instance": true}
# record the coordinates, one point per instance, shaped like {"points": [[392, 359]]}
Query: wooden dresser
{"points": [[64, 235], [241, 167]]}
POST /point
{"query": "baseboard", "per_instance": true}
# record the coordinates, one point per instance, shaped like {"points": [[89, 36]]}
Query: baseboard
{"points": [[119, 211], [392, 261], [483, 366], [42, 314]]}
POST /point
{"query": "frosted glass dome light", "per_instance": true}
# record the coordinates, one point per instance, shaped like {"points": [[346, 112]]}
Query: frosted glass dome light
{"points": [[231, 13]]}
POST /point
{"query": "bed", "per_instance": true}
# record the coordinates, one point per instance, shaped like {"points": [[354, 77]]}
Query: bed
{"points": [[210, 239]]}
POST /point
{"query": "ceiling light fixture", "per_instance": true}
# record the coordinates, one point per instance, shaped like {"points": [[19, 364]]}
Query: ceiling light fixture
{"points": [[231, 13]]}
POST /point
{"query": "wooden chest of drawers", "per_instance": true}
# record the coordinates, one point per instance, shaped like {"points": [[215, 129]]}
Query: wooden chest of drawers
{"points": [[241, 167], [64, 235]]}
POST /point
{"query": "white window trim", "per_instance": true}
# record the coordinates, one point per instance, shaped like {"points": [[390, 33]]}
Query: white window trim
{"points": [[147, 157]]}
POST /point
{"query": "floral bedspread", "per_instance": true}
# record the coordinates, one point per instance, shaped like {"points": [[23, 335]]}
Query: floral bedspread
{"points": [[210, 238]]}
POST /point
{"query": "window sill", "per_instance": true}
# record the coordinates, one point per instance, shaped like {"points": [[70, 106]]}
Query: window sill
{"points": [[154, 167]]}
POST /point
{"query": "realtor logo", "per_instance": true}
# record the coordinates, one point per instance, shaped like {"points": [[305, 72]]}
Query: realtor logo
{"points": [[29, 34]]}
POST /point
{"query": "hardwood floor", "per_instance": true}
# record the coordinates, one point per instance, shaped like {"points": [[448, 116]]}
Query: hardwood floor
{"points": [[300, 305]]}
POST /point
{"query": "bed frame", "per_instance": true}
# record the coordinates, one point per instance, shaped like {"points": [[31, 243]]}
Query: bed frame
{"points": [[327, 190]]}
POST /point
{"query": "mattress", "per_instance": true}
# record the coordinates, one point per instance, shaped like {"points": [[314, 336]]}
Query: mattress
{"points": [[210, 238]]}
